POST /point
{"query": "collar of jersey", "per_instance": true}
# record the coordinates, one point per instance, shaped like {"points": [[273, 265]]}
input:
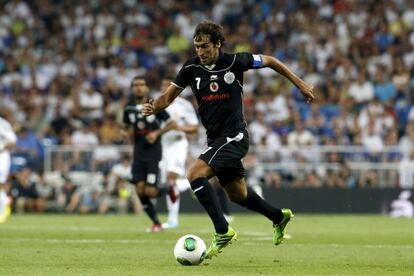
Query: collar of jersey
{"points": [[217, 64], [211, 67]]}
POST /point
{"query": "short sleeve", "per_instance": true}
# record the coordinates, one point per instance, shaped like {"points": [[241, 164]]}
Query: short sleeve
{"points": [[183, 78], [246, 61]]}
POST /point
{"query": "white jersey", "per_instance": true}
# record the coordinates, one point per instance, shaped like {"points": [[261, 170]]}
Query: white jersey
{"points": [[183, 113], [174, 143], [7, 136]]}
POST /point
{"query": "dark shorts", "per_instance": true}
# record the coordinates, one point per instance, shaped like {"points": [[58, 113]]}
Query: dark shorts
{"points": [[145, 170], [224, 156]]}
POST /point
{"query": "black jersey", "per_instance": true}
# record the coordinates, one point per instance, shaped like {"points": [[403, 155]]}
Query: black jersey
{"points": [[219, 91], [143, 125]]}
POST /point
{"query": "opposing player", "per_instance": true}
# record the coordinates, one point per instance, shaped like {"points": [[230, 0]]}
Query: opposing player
{"points": [[175, 150], [216, 79], [7, 142], [147, 131]]}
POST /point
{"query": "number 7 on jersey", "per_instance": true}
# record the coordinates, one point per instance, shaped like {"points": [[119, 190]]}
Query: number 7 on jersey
{"points": [[198, 79]]}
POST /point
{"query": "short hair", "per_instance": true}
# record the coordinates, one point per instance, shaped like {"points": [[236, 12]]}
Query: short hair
{"points": [[212, 30], [137, 78]]}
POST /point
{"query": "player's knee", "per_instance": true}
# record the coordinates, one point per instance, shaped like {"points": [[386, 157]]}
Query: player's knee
{"points": [[199, 170], [193, 174], [140, 190], [150, 192]]}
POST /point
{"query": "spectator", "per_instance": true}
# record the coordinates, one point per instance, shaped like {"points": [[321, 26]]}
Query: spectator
{"points": [[23, 191], [28, 146], [384, 88], [258, 128], [65, 193], [300, 136], [90, 102], [361, 90], [126, 197]]}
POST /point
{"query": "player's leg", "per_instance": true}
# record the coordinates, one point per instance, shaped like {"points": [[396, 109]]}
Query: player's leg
{"points": [[198, 176], [246, 197], [142, 176], [223, 199], [4, 199], [148, 206], [172, 207], [3, 203], [173, 166]]}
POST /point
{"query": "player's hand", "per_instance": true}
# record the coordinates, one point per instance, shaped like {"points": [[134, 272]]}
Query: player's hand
{"points": [[148, 108], [307, 92], [152, 137]]}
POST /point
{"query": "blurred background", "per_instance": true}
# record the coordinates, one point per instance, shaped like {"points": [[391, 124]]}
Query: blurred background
{"points": [[66, 67]]}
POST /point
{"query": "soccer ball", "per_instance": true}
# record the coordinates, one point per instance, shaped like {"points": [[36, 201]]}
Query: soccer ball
{"points": [[189, 250]]}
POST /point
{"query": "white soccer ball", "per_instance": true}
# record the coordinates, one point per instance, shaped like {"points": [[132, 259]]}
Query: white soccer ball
{"points": [[189, 250]]}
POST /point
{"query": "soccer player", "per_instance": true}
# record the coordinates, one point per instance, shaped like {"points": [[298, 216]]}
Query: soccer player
{"points": [[175, 150], [7, 141], [147, 131], [216, 79]]}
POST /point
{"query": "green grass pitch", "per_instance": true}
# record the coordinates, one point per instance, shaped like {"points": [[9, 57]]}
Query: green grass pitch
{"points": [[118, 245]]}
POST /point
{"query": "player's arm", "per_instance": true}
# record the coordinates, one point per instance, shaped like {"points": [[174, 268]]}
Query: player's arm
{"points": [[153, 135], [9, 141], [169, 125], [305, 88], [162, 101], [7, 145], [189, 129]]}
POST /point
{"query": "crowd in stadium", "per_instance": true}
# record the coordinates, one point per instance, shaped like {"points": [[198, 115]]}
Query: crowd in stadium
{"points": [[66, 67]]}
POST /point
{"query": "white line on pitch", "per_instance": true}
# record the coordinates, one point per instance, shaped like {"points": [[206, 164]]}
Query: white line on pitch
{"points": [[250, 242]]}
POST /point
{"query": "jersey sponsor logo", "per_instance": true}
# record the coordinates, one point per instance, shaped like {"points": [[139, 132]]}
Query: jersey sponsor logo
{"points": [[214, 86], [213, 97], [213, 77], [140, 125], [229, 77]]}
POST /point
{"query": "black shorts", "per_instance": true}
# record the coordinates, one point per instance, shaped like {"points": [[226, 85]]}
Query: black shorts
{"points": [[224, 156], [145, 170]]}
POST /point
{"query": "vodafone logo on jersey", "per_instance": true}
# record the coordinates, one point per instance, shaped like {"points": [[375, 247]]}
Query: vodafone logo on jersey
{"points": [[214, 86]]}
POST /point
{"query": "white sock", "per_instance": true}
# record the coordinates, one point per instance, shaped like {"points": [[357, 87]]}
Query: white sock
{"points": [[173, 209]]}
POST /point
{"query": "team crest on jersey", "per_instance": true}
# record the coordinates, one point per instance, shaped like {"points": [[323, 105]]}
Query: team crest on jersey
{"points": [[151, 118], [214, 86], [229, 77]]}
